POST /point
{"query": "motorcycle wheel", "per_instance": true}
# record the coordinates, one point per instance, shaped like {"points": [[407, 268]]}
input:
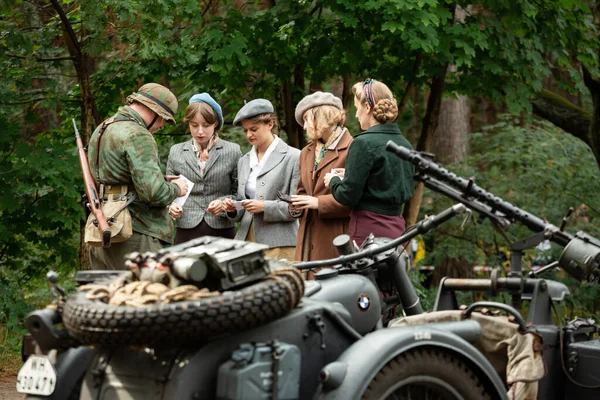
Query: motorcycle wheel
{"points": [[94, 322], [426, 374]]}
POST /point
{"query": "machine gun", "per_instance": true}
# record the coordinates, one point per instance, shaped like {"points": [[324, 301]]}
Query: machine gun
{"points": [[581, 254]]}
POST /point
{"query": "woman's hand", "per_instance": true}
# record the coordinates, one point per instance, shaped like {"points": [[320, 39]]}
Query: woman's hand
{"points": [[175, 210], [254, 206], [215, 207], [328, 177], [228, 206], [302, 202]]}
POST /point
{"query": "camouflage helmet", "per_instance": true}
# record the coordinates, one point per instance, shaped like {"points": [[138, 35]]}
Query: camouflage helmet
{"points": [[157, 98]]}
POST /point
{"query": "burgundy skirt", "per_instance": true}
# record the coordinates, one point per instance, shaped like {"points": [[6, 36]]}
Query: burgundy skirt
{"points": [[363, 223]]}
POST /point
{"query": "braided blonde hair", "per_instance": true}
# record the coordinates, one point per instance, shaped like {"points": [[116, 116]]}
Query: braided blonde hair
{"points": [[385, 109]]}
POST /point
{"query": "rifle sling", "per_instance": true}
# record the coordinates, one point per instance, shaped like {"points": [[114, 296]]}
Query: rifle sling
{"points": [[107, 122]]}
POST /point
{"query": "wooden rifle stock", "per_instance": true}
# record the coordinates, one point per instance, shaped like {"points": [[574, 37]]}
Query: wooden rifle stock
{"points": [[91, 192]]}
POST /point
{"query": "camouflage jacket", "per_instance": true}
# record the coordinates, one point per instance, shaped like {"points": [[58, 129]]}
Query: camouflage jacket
{"points": [[129, 156]]}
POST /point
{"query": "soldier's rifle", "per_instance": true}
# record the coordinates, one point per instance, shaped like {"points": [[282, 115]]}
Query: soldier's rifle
{"points": [[93, 203]]}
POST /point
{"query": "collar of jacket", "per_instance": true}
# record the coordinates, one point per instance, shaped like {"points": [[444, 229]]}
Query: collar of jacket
{"points": [[126, 110], [190, 145], [382, 128], [282, 147], [343, 142]]}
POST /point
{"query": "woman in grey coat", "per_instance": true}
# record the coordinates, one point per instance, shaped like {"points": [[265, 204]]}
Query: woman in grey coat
{"points": [[211, 164], [270, 166]]}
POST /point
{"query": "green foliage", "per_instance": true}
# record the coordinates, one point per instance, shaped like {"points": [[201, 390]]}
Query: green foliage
{"points": [[39, 204], [239, 51], [13, 309]]}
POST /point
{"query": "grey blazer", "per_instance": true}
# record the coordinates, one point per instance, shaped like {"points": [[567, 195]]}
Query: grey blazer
{"points": [[275, 227], [219, 181]]}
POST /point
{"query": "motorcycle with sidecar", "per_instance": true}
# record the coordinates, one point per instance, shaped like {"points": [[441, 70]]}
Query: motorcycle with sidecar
{"points": [[268, 334]]}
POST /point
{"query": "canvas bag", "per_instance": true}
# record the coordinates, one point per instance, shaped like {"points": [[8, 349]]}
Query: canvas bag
{"points": [[516, 356], [118, 218]]}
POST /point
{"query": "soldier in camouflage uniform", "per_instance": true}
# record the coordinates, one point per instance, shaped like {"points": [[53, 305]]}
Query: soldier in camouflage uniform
{"points": [[123, 155]]}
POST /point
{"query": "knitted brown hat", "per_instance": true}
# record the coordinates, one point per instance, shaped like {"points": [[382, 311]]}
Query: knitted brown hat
{"points": [[314, 100]]}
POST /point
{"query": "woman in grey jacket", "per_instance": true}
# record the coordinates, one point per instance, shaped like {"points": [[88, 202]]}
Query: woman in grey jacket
{"points": [[211, 164], [270, 166]]}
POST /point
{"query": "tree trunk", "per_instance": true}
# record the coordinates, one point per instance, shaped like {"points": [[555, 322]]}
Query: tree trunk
{"points": [[295, 132], [347, 95], [450, 145], [90, 117], [593, 134], [450, 139], [299, 87], [430, 124]]}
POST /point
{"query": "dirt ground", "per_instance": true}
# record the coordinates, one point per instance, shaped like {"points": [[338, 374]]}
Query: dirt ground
{"points": [[8, 384]]}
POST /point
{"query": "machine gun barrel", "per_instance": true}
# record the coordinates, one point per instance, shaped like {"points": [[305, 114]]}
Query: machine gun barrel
{"points": [[468, 193]]}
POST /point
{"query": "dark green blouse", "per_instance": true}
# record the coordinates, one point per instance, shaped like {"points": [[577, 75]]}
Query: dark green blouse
{"points": [[375, 179]]}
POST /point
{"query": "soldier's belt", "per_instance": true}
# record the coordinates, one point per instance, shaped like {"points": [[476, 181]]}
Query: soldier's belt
{"points": [[115, 189]]}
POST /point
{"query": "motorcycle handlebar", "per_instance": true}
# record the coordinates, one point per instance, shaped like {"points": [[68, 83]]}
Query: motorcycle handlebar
{"points": [[421, 227]]}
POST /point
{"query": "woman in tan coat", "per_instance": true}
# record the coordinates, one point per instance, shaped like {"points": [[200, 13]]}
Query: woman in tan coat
{"points": [[322, 217]]}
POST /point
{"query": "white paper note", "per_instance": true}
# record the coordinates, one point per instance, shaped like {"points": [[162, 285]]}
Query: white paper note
{"points": [[181, 199], [238, 205]]}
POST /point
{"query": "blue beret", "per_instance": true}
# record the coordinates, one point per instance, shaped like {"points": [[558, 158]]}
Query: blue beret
{"points": [[252, 109], [205, 98]]}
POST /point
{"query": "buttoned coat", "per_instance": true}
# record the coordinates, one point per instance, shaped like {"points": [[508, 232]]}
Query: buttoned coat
{"points": [[220, 180], [275, 226], [318, 227]]}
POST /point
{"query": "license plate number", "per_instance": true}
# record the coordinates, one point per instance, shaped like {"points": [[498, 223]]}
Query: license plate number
{"points": [[37, 376]]}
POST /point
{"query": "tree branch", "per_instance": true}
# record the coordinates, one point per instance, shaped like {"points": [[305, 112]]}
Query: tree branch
{"points": [[206, 9], [23, 101], [65, 58], [411, 84], [35, 100], [67, 26], [564, 114], [43, 8]]}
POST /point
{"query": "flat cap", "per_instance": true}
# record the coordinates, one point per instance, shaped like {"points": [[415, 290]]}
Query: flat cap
{"points": [[315, 100], [252, 109]]}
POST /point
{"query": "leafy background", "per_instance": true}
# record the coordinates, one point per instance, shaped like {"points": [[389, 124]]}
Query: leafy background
{"points": [[63, 59]]}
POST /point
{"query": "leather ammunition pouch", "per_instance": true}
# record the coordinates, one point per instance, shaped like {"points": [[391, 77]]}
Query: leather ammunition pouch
{"points": [[114, 206]]}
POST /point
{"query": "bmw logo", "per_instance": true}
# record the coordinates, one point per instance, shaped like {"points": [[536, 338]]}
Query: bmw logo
{"points": [[364, 302]]}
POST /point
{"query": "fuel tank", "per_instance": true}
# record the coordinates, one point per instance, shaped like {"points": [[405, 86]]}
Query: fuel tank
{"points": [[356, 293]]}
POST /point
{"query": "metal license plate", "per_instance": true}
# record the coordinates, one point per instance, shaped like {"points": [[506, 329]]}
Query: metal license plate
{"points": [[37, 376]]}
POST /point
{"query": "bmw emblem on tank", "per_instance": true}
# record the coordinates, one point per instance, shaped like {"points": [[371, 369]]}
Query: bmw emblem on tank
{"points": [[364, 302]]}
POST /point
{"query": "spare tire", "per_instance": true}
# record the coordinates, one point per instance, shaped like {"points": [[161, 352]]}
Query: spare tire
{"points": [[95, 322]]}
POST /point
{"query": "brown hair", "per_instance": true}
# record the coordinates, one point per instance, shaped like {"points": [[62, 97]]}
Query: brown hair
{"points": [[207, 112], [265, 119], [327, 117], [385, 109]]}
